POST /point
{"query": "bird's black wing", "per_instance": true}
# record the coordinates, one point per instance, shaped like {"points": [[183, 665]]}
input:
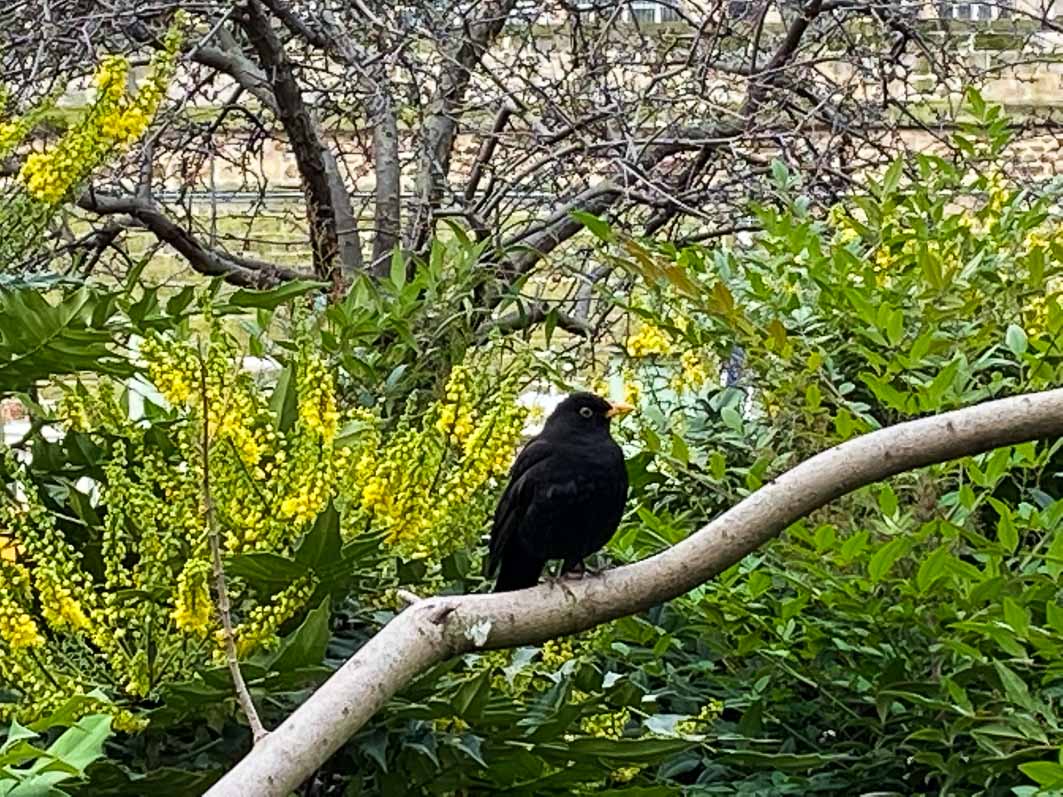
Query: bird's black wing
{"points": [[513, 504]]}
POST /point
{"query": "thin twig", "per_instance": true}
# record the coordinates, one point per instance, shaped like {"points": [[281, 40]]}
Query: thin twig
{"points": [[258, 730]]}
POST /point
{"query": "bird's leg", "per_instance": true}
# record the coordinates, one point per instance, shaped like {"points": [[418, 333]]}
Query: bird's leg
{"points": [[574, 569], [556, 578]]}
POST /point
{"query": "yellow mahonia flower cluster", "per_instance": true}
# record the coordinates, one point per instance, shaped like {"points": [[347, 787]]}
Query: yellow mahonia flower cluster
{"points": [[997, 194], [276, 458], [193, 608], [317, 399], [450, 725], [115, 121], [50, 593], [13, 131], [632, 390], [424, 484], [18, 629], [845, 231], [609, 725], [624, 774], [270, 483], [556, 652], [153, 528], [456, 413], [693, 370], [700, 722], [173, 369], [648, 340]]}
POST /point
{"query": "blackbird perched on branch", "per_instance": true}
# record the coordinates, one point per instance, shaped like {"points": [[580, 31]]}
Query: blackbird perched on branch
{"points": [[565, 497]]}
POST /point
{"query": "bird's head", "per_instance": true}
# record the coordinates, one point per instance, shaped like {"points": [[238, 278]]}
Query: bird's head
{"points": [[585, 411]]}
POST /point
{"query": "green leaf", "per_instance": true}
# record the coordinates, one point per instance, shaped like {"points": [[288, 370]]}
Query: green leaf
{"points": [[599, 228], [813, 397], [932, 568], [177, 303], [322, 543], [1014, 687], [283, 403], [471, 698], [895, 327], [892, 177], [887, 501], [884, 558], [1015, 339], [1017, 617], [941, 384], [780, 174], [1047, 774], [731, 417], [39, 339], [68, 713], [1007, 534], [81, 744], [275, 297], [267, 571], [629, 751], [780, 761], [680, 451], [718, 465], [397, 272], [306, 645]]}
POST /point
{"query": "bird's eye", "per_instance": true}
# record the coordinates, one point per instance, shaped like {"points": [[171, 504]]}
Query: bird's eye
{"points": [[586, 412]]}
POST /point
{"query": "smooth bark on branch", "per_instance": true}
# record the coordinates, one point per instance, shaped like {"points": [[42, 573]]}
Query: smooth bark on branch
{"points": [[434, 629]]}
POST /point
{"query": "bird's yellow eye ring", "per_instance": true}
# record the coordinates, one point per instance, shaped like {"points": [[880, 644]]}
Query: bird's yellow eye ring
{"points": [[586, 412]]}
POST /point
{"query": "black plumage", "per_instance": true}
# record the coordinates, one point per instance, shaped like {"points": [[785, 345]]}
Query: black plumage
{"points": [[565, 496]]}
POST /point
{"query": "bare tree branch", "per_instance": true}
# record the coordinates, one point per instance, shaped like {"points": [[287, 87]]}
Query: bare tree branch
{"points": [[532, 316], [441, 125], [306, 143], [241, 271]]}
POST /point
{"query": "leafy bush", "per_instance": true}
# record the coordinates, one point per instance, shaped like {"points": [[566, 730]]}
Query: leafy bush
{"points": [[113, 587], [904, 638]]}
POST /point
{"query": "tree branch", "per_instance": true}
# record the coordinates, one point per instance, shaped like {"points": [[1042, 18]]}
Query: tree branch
{"points": [[241, 271], [243, 695], [441, 126], [437, 628], [303, 135], [547, 236], [530, 316]]}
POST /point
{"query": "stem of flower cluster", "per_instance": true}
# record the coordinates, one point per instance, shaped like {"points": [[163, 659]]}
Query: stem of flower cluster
{"points": [[243, 695]]}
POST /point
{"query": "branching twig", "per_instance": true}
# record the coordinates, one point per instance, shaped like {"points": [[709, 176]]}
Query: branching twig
{"points": [[243, 695]]}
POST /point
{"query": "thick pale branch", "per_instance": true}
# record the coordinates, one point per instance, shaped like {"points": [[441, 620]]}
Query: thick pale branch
{"points": [[432, 630]]}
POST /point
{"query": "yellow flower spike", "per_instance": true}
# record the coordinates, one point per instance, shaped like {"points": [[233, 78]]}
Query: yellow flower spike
{"points": [[114, 122], [194, 610], [647, 341], [17, 628]]}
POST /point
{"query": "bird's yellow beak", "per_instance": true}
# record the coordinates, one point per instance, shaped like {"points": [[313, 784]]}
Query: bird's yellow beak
{"points": [[618, 408]]}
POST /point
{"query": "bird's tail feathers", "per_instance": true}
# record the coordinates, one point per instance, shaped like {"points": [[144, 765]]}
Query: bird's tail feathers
{"points": [[518, 572]]}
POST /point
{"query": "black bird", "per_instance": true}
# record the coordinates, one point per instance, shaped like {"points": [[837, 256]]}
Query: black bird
{"points": [[565, 497]]}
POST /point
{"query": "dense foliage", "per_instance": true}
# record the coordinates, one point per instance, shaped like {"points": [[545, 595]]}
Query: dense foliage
{"points": [[903, 640]]}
